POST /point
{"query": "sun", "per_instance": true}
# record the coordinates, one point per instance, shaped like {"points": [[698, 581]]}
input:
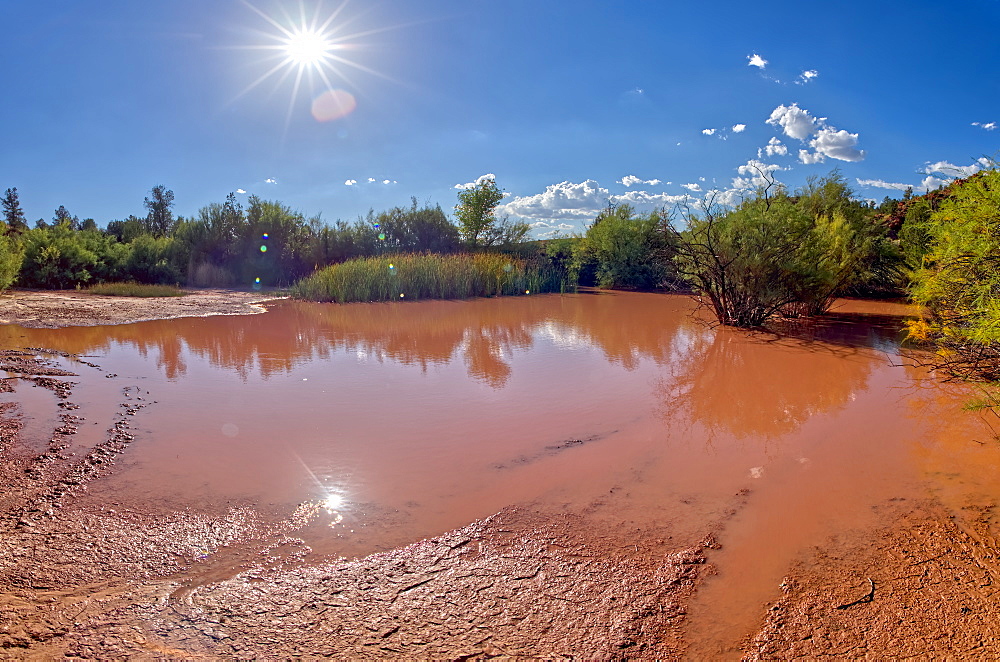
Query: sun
{"points": [[308, 47], [311, 49]]}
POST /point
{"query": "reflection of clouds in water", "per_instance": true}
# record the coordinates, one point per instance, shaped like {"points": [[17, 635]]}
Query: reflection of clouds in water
{"points": [[563, 336]]}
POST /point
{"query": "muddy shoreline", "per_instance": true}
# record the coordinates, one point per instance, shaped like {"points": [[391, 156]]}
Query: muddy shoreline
{"points": [[54, 309], [119, 580]]}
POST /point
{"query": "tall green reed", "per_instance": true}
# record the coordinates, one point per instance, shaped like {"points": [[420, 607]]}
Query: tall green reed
{"points": [[402, 277]]}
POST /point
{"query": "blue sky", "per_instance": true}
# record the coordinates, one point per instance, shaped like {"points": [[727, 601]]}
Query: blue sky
{"points": [[570, 105]]}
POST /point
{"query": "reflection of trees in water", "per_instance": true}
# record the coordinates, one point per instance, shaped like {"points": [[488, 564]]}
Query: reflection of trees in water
{"points": [[759, 385], [486, 333]]}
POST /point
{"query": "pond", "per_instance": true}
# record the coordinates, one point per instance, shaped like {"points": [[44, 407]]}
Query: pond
{"points": [[382, 424]]}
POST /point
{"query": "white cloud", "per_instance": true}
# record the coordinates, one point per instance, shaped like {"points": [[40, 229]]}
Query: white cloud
{"points": [[739, 128], [565, 200], [755, 173], [930, 182], [807, 157], [581, 202], [807, 76], [728, 197], [708, 132], [774, 147], [951, 170], [839, 145], [392, 181], [826, 140], [878, 183], [631, 180], [479, 179], [694, 188], [371, 180], [645, 199], [350, 182], [756, 61], [794, 121], [270, 180], [240, 191], [989, 126]]}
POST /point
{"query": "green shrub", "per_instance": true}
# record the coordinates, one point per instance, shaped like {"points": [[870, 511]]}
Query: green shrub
{"points": [[959, 283], [629, 251], [11, 256]]}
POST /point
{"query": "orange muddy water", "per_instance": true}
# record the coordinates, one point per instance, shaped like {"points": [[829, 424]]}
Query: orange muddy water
{"points": [[383, 424]]}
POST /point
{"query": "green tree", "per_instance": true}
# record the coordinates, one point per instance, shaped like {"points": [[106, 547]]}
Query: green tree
{"points": [[959, 282], [159, 220], [629, 251], [11, 256], [63, 217], [476, 213], [744, 261], [13, 215], [126, 231], [417, 229]]}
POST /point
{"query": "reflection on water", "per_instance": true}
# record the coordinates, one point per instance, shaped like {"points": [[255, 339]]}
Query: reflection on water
{"points": [[380, 424], [435, 332]]}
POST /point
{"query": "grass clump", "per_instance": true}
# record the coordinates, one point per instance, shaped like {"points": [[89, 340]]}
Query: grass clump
{"points": [[401, 277], [134, 290]]}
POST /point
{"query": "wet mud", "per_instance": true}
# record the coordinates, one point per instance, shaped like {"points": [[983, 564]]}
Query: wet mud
{"points": [[762, 496]]}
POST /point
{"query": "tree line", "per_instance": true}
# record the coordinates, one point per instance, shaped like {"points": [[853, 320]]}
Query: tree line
{"points": [[261, 242]]}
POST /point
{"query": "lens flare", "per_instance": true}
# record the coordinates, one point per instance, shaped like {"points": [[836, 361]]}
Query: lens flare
{"points": [[264, 236], [381, 236], [332, 105], [263, 249]]}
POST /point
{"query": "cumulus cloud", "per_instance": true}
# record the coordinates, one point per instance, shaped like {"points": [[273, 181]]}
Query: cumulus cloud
{"points": [[989, 126], [270, 180], [739, 128], [826, 140], [486, 177], [794, 121], [774, 147], [694, 188], [807, 157], [708, 132], [350, 182], [393, 181], [807, 76], [646, 199], [371, 180], [580, 202], [930, 182], [878, 183], [755, 173], [953, 171], [756, 61], [631, 180], [837, 145], [565, 200], [240, 191]]}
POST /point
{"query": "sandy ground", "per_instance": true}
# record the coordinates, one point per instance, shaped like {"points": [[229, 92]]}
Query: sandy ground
{"points": [[117, 581], [52, 309]]}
